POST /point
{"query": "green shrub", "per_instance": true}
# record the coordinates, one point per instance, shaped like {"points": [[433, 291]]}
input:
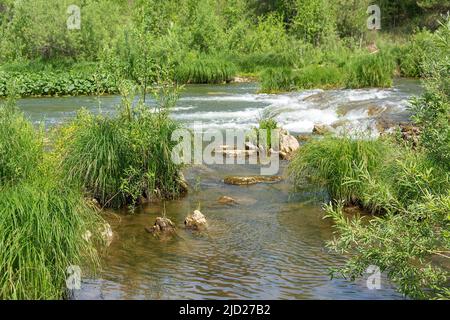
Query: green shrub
{"points": [[406, 246], [412, 55], [119, 160], [370, 70], [56, 84]]}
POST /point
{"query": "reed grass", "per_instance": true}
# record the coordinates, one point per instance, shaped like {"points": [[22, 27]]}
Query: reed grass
{"points": [[335, 164], [42, 224], [370, 70], [20, 145]]}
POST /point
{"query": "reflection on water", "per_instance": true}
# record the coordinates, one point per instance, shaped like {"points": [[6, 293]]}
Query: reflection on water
{"points": [[269, 246]]}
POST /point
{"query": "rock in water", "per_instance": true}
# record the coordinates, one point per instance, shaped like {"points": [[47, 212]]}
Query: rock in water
{"points": [[240, 181], [288, 145], [322, 129], [162, 225], [226, 200], [196, 221]]}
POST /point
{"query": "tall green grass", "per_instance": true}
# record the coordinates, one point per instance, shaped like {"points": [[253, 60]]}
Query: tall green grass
{"points": [[370, 70], [334, 163], [122, 159], [42, 223], [20, 145], [316, 76], [205, 69], [42, 220], [275, 80]]}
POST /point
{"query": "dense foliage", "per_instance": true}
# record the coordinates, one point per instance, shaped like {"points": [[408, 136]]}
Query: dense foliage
{"points": [[208, 41]]}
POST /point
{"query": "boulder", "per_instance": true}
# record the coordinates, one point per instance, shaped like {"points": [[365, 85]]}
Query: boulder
{"points": [[322, 129], [240, 181], [303, 138], [226, 200], [196, 221], [161, 226], [288, 145]]}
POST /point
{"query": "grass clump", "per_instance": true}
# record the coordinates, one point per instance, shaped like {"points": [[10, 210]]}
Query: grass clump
{"points": [[370, 70], [42, 221], [274, 80], [20, 145], [125, 158], [42, 224], [205, 69], [316, 76], [334, 163]]}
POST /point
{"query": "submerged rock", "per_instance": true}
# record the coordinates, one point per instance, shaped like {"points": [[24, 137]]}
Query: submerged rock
{"points": [[226, 200], [239, 181], [196, 221], [162, 225]]}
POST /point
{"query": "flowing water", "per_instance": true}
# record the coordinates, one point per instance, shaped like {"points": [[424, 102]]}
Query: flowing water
{"points": [[271, 244]]}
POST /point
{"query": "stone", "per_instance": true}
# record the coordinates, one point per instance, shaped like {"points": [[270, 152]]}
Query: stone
{"points": [[304, 138], [196, 221], [161, 226], [226, 200], [322, 129], [288, 145], [250, 180]]}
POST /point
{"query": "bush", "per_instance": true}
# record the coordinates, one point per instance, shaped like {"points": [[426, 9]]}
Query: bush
{"points": [[51, 83], [407, 246], [370, 70], [412, 55], [119, 160]]}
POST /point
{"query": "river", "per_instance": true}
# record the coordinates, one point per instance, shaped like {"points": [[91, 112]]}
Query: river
{"points": [[271, 244]]}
